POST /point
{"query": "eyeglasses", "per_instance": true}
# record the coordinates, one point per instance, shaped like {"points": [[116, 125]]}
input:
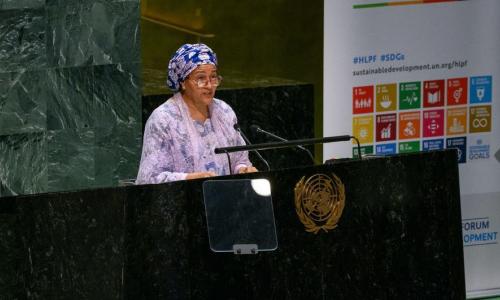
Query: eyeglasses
{"points": [[202, 81]]}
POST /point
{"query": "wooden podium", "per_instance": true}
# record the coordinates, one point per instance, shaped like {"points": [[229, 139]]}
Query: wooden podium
{"points": [[399, 237]]}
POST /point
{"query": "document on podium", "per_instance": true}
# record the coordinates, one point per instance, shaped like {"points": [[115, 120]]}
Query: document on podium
{"points": [[240, 217]]}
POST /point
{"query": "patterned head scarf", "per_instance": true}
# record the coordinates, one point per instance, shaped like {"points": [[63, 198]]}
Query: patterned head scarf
{"points": [[185, 60]]}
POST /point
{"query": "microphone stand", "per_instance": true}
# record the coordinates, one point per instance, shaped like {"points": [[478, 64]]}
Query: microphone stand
{"points": [[292, 143], [237, 128], [258, 129], [229, 161]]}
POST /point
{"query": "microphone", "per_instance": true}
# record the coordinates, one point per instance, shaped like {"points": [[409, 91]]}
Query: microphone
{"points": [[237, 127], [257, 129]]}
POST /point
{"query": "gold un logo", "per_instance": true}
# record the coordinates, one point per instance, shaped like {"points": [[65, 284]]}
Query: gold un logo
{"points": [[319, 202]]}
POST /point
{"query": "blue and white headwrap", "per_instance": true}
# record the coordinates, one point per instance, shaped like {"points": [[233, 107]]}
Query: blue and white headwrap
{"points": [[185, 60]]}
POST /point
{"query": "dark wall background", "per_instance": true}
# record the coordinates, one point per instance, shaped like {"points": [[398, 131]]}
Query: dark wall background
{"points": [[70, 110]]}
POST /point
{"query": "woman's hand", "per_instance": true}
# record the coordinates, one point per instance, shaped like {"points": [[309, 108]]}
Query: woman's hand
{"points": [[196, 175], [250, 169]]}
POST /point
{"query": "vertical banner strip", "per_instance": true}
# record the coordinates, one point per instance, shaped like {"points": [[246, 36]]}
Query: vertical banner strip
{"points": [[404, 80]]}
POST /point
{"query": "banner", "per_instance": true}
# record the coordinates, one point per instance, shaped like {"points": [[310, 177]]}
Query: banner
{"points": [[408, 76]]}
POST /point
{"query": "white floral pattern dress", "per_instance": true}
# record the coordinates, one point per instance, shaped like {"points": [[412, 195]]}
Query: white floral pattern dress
{"points": [[175, 145]]}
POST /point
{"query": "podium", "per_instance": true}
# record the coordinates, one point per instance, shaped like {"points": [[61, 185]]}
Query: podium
{"points": [[399, 237]]}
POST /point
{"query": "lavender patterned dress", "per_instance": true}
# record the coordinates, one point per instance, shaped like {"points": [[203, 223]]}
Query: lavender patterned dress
{"points": [[174, 144]]}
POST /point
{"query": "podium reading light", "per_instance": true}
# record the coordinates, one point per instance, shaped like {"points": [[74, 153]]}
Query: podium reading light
{"points": [[261, 187]]}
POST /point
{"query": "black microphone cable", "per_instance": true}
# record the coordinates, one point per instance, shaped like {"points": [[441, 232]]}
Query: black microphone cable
{"points": [[237, 128], [257, 129]]}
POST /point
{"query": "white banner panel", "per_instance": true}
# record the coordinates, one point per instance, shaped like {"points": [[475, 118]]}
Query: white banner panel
{"points": [[480, 224], [407, 76]]}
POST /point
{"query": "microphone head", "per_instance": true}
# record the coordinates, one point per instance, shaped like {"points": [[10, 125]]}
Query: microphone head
{"points": [[236, 127], [255, 128]]}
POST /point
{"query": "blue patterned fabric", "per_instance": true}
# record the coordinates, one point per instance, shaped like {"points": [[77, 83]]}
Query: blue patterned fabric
{"points": [[185, 60]]}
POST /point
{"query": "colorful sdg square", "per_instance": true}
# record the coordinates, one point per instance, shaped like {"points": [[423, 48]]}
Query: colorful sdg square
{"points": [[459, 143], [364, 151], [457, 91], [433, 123], [456, 121], [409, 125], [431, 145], [409, 95], [386, 97], [480, 118], [408, 147], [362, 99], [362, 128], [480, 89], [385, 149], [434, 93], [386, 127]]}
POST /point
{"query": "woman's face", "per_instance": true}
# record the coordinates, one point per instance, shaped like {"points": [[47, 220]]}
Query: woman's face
{"points": [[199, 86]]}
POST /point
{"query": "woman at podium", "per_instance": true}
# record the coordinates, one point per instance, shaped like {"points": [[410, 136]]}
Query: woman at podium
{"points": [[181, 134]]}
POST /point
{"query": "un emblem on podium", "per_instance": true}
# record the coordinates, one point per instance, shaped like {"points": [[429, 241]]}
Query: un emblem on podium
{"points": [[319, 202]]}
